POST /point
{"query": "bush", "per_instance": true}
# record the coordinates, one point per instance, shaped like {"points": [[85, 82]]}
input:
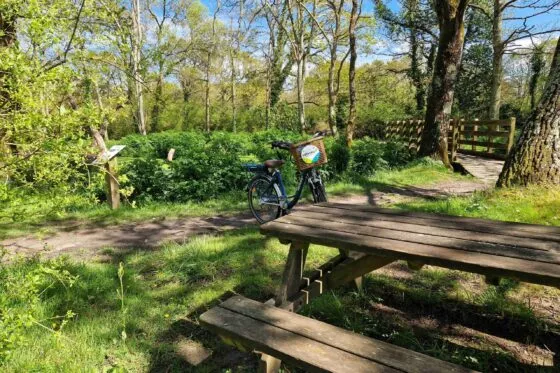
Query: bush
{"points": [[209, 165]]}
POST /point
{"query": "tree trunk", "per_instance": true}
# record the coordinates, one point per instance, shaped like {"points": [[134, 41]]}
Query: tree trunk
{"points": [[451, 24], [233, 103], [332, 94], [497, 65], [138, 81], [352, 73], [301, 94], [207, 94], [158, 102], [535, 157], [415, 72]]}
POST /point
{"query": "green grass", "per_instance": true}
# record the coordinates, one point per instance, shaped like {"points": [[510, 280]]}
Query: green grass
{"points": [[535, 204], [43, 215], [430, 311], [166, 290]]}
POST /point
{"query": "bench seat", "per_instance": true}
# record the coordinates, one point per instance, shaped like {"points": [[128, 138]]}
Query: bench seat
{"points": [[311, 344]]}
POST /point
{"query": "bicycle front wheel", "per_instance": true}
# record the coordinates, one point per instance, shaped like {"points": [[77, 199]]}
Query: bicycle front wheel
{"points": [[264, 199]]}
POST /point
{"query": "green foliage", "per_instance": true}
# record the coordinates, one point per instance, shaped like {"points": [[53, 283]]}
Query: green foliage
{"points": [[23, 290], [209, 165]]}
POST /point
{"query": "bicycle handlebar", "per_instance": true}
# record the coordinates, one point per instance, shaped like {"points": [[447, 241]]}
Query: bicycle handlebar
{"points": [[285, 145]]}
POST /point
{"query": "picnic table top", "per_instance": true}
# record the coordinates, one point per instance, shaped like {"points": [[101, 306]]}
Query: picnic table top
{"points": [[526, 252]]}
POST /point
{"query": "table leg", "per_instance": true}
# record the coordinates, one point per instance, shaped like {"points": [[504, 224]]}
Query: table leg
{"points": [[291, 282], [293, 272]]}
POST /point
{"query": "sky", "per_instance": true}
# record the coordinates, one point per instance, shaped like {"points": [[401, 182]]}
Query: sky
{"points": [[384, 48]]}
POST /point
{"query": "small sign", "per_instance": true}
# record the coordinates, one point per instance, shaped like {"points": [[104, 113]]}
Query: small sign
{"points": [[109, 154]]}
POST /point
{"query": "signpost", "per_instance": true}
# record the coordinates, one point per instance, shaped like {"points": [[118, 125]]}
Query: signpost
{"points": [[109, 161]]}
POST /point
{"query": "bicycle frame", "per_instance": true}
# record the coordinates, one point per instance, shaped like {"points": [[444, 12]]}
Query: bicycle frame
{"points": [[286, 203]]}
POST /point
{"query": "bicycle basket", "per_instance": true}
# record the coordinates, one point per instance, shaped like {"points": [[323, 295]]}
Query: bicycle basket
{"points": [[309, 154]]}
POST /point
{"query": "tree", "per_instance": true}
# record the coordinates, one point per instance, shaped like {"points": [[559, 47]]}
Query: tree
{"points": [[414, 25], [350, 127], [136, 68], [518, 18], [535, 157], [450, 15], [538, 63]]}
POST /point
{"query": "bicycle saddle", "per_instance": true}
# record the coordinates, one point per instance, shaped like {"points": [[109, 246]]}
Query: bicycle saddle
{"points": [[274, 163]]}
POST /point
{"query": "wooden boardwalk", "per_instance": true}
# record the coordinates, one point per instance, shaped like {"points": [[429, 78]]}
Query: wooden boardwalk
{"points": [[484, 169]]}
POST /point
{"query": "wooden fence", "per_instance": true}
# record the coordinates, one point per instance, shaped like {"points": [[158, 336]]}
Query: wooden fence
{"points": [[485, 138]]}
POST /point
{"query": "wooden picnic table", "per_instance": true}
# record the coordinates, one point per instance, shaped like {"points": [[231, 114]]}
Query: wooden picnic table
{"points": [[369, 238]]}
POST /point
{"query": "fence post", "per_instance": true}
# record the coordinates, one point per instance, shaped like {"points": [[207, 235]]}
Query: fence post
{"points": [[474, 137], [511, 137]]}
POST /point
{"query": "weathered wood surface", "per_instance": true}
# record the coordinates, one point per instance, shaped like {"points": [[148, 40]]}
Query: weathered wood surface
{"points": [[498, 249], [485, 169], [311, 344]]}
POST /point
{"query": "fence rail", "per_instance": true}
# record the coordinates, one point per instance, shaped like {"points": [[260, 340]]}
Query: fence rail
{"points": [[485, 138]]}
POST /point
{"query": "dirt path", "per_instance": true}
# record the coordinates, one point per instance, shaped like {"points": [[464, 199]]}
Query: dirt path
{"points": [[91, 242]]}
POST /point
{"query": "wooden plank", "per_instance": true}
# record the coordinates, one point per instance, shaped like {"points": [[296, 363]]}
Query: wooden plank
{"points": [[293, 272], [549, 232], [500, 250], [377, 351], [487, 122], [524, 270], [349, 271], [495, 145], [482, 154], [285, 345], [503, 134], [374, 220]]}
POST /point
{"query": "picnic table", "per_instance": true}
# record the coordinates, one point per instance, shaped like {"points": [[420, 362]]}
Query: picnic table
{"points": [[368, 238]]}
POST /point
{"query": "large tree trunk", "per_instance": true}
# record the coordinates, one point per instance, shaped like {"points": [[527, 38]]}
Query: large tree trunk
{"points": [[138, 81], [352, 73], [451, 24], [535, 158], [7, 104], [332, 94], [233, 98], [497, 64]]}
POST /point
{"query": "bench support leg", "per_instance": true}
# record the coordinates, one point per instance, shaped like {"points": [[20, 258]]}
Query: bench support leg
{"points": [[268, 364], [293, 273], [356, 282]]}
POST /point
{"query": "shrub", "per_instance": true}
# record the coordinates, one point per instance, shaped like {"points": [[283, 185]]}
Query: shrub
{"points": [[367, 157], [208, 165]]}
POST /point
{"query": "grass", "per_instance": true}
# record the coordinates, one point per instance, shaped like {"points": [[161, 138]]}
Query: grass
{"points": [[44, 215], [534, 204], [167, 289], [448, 314]]}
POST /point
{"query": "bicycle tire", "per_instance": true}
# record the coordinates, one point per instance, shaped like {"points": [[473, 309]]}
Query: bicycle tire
{"points": [[318, 191], [259, 185]]}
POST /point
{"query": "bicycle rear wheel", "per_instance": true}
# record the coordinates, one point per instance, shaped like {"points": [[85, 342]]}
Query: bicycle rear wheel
{"points": [[264, 199]]}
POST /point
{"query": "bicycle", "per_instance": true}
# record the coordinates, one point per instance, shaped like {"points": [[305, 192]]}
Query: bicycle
{"points": [[267, 195]]}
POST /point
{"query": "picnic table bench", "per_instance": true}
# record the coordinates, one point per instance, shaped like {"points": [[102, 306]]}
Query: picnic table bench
{"points": [[369, 238]]}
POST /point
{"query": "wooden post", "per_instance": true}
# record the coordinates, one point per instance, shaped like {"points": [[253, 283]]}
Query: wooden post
{"points": [[511, 137], [112, 185], [474, 137], [293, 272]]}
